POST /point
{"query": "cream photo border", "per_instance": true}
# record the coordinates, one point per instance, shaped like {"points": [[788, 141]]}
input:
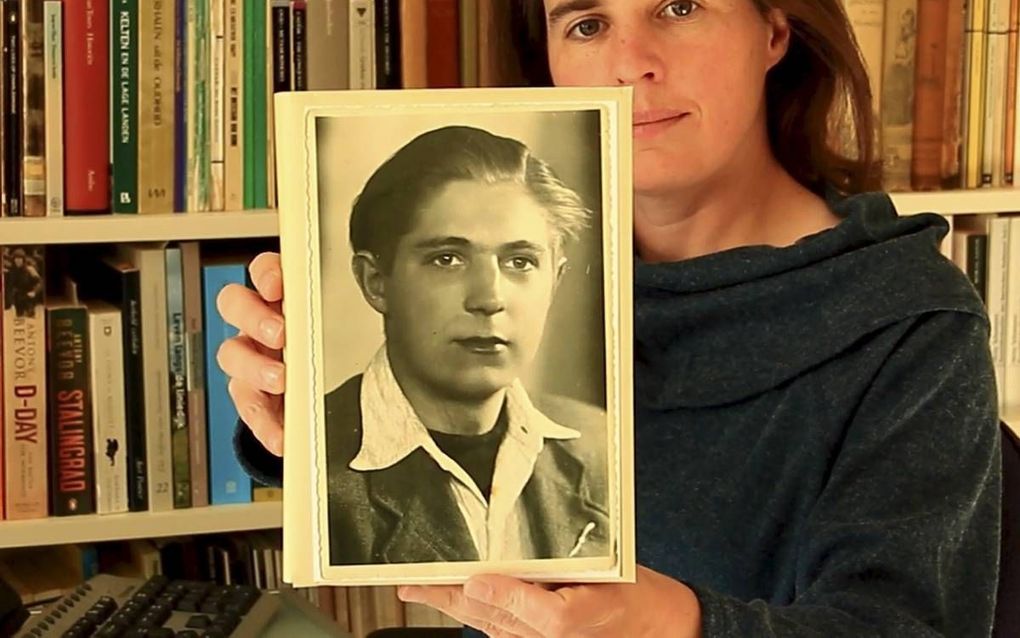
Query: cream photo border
{"points": [[305, 525]]}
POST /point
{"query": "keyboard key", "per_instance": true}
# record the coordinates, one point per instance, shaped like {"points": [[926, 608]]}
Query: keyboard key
{"points": [[198, 621], [160, 632]]}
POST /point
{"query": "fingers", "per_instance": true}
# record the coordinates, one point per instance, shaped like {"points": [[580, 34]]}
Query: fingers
{"points": [[262, 413], [452, 601], [240, 359], [267, 275], [247, 311]]}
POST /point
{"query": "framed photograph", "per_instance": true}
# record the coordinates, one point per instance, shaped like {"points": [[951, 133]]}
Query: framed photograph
{"points": [[457, 267]]}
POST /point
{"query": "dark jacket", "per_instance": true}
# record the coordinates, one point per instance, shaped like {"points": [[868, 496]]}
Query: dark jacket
{"points": [[407, 512]]}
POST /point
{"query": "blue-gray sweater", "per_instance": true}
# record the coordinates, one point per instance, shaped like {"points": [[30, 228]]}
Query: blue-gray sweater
{"points": [[816, 433]]}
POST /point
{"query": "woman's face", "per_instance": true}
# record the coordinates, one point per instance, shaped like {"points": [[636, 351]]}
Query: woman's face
{"points": [[698, 72]]}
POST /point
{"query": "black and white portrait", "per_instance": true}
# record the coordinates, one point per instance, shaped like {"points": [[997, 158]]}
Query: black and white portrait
{"points": [[464, 339]]}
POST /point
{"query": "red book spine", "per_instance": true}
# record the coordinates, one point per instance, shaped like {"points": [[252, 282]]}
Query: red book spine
{"points": [[442, 28], [86, 105]]}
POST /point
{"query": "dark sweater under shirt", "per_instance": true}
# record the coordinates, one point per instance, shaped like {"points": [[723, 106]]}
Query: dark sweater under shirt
{"points": [[816, 436]]}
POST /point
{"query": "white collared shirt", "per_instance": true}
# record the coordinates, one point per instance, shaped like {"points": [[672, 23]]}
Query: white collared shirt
{"points": [[391, 430]]}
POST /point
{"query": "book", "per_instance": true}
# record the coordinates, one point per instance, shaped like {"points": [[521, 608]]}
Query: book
{"points": [[149, 260], [53, 63], [33, 109], [124, 104], [87, 106], [71, 422], [178, 377], [106, 384], [191, 269], [228, 482], [24, 491], [157, 117]]}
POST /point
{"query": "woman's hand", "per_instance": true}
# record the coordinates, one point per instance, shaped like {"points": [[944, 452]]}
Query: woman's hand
{"points": [[252, 359], [505, 607]]}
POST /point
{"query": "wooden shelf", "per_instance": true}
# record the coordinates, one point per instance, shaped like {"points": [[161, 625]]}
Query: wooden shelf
{"points": [[981, 200], [86, 229], [94, 528]]}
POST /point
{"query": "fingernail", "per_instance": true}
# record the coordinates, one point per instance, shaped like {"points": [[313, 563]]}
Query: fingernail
{"points": [[477, 589], [408, 594], [271, 329], [271, 375], [266, 279]]}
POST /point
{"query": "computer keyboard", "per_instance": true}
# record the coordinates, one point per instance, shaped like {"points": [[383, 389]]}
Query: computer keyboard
{"points": [[116, 607]]}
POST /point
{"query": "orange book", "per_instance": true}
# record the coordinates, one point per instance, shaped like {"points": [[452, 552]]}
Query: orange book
{"points": [[413, 64], [952, 137], [929, 96]]}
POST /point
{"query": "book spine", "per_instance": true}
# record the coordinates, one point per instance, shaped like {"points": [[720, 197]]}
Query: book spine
{"points": [[152, 284], [299, 44], [194, 353], [156, 110], [952, 110], [328, 50], [12, 107], [33, 105], [387, 44], [53, 62], [930, 83], [197, 106], [217, 104], [178, 386], [86, 106], [260, 123], [1011, 336], [233, 159], [3, 123], [469, 43], [361, 20], [1012, 95], [977, 263], [281, 45], [898, 93], [181, 115], [868, 20], [228, 482], [413, 51], [269, 161], [992, 156], [443, 53], [248, 11], [72, 471], [998, 287], [124, 99], [134, 390], [107, 380], [23, 449], [976, 94]]}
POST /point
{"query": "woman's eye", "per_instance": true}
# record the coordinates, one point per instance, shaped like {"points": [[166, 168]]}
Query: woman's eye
{"points": [[680, 9], [447, 260], [586, 28]]}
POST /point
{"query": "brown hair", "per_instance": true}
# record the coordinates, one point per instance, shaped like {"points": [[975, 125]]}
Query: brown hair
{"points": [[818, 99]]}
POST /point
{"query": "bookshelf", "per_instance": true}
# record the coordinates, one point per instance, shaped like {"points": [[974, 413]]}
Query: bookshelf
{"points": [[985, 200], [84, 229], [183, 522]]}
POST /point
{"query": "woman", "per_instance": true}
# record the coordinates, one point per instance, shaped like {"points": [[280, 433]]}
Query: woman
{"points": [[816, 434]]}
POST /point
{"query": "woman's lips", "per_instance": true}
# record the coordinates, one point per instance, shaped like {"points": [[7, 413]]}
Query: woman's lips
{"points": [[652, 123]]}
